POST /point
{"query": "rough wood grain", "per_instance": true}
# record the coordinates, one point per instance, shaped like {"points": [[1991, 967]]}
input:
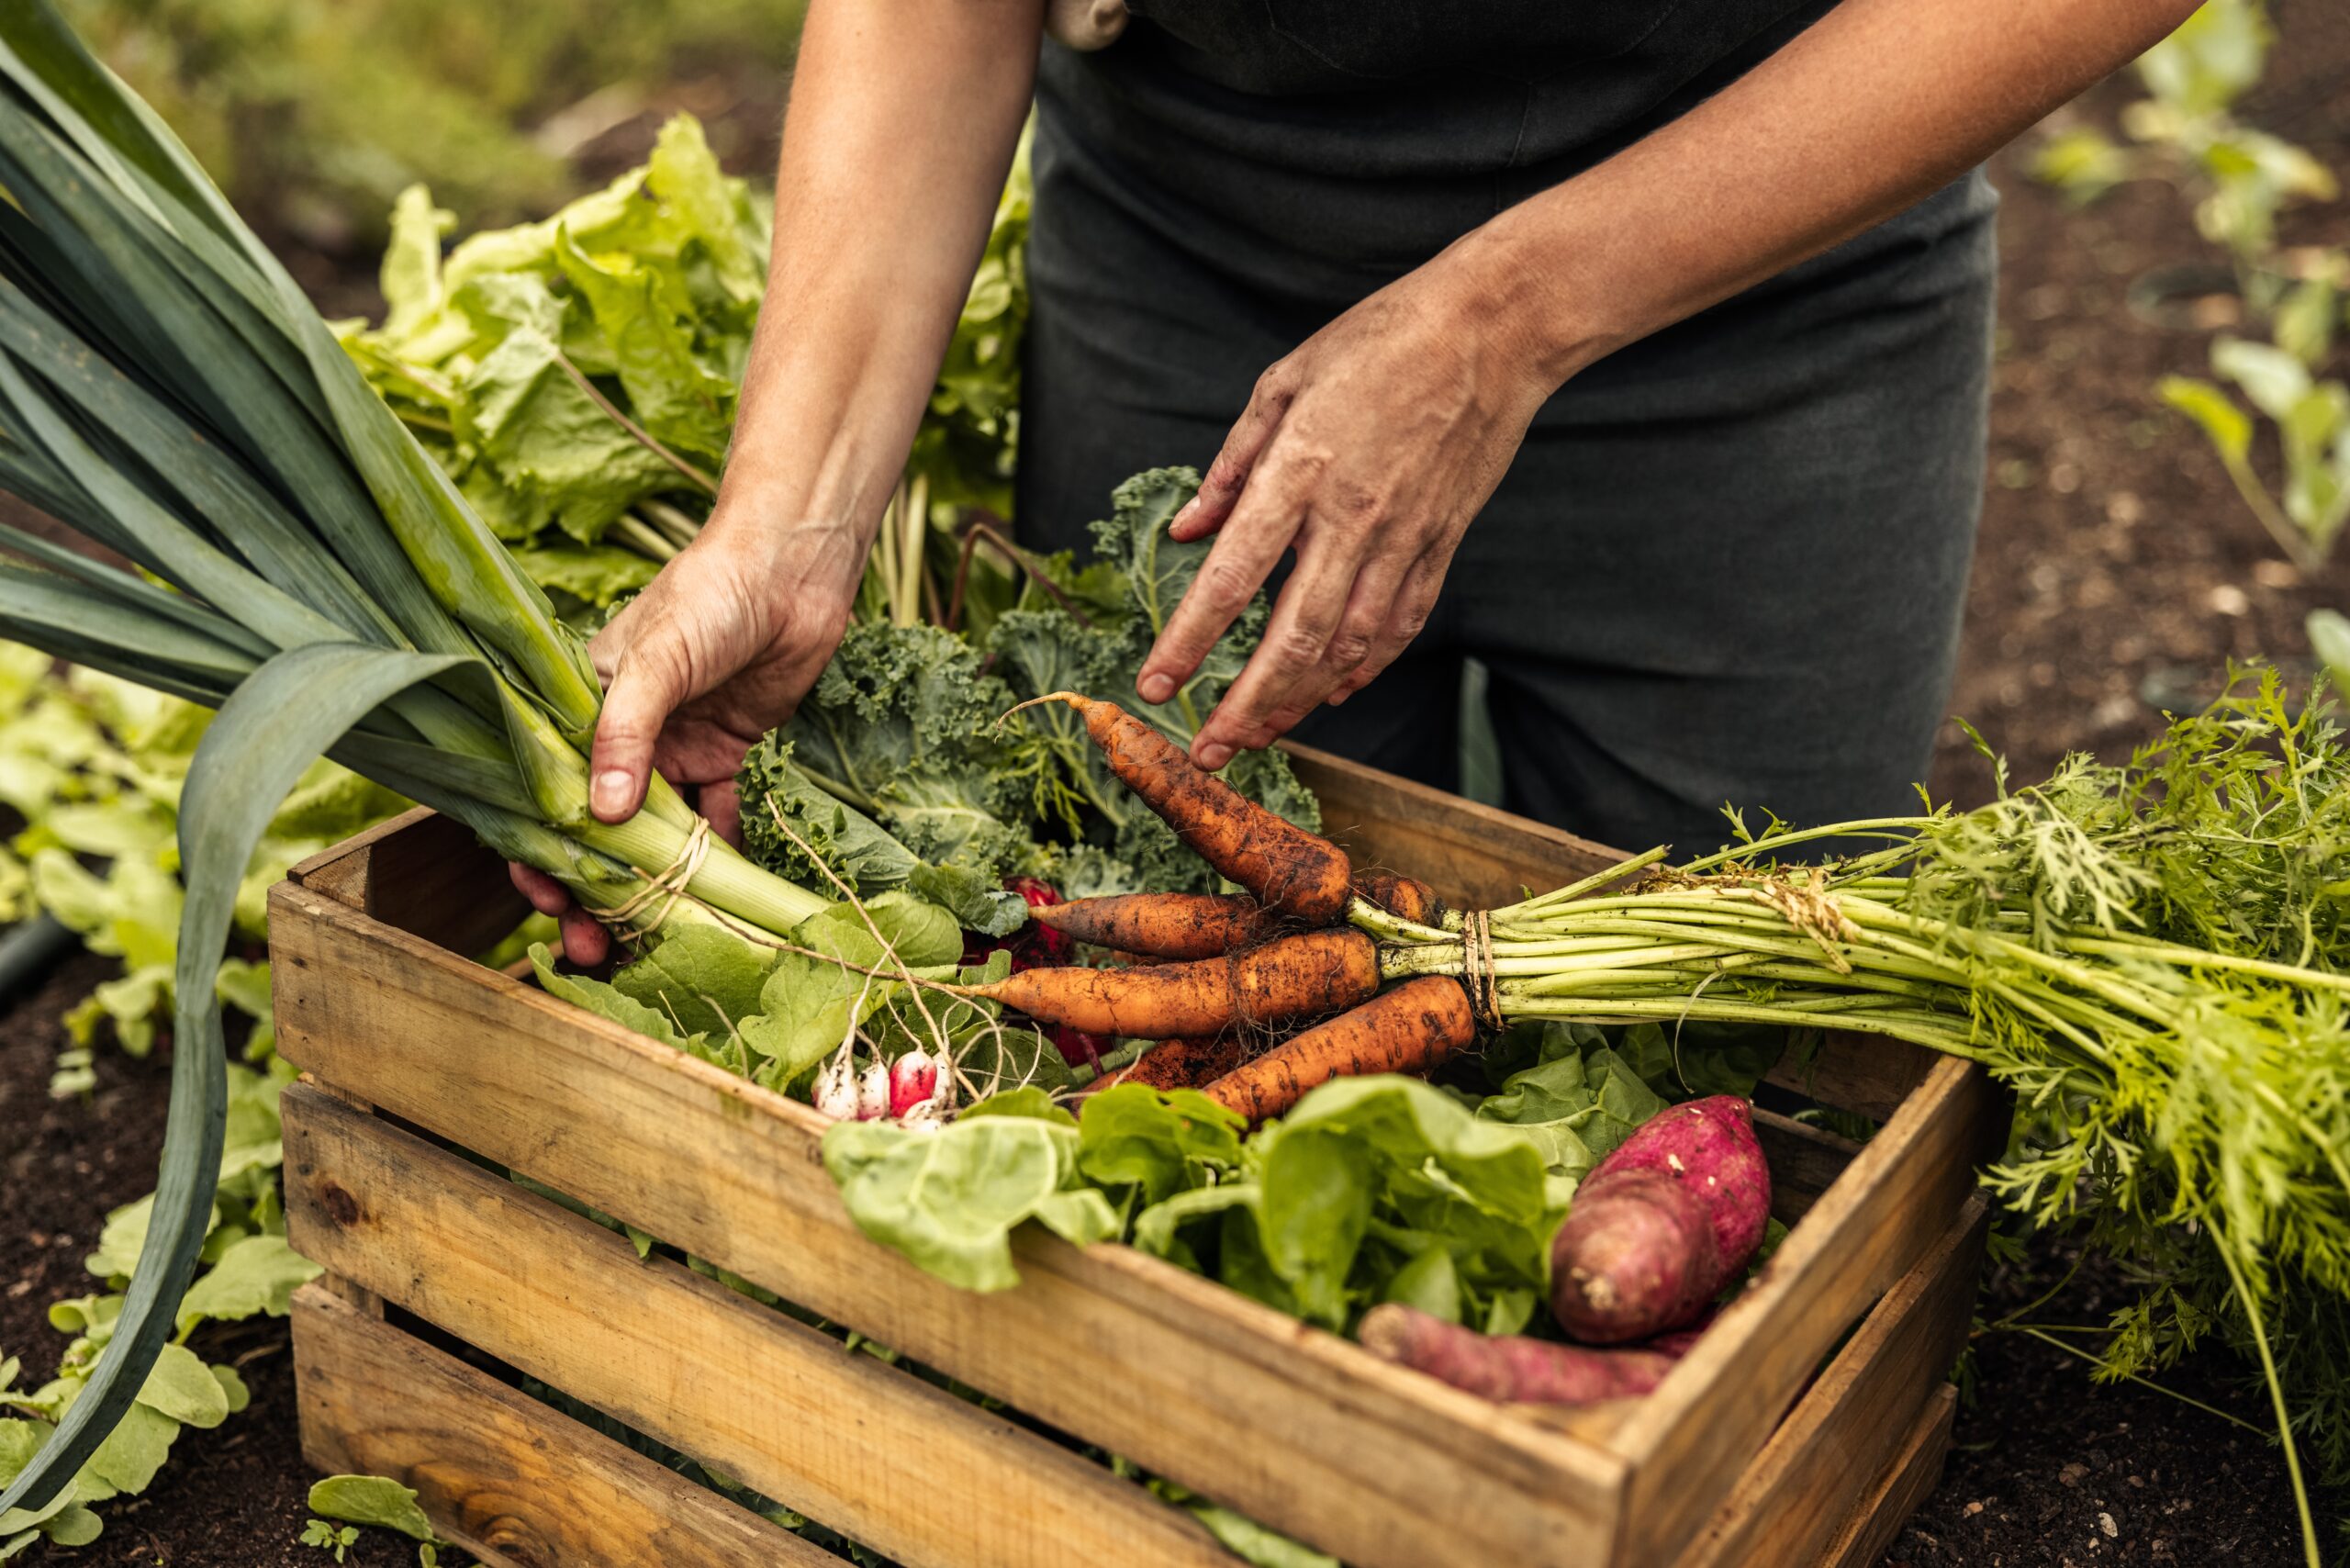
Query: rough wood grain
{"points": [[1788, 1506], [914, 1472], [370, 1003], [440, 883], [1710, 1418], [729, 1172], [1803, 1162], [1474, 855], [509, 1479], [1876, 1519]]}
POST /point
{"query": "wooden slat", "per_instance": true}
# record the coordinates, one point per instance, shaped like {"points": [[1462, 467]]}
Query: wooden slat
{"points": [[1803, 1162], [1788, 1506], [1878, 1517], [914, 1472], [442, 885], [510, 1480], [731, 1172], [1715, 1411], [1475, 857]]}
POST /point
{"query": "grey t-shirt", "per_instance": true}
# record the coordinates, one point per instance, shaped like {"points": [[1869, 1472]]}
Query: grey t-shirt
{"points": [[1318, 148]]}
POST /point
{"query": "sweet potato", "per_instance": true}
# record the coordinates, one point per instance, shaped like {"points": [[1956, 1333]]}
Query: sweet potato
{"points": [[1636, 1257], [1662, 1225], [1509, 1368]]}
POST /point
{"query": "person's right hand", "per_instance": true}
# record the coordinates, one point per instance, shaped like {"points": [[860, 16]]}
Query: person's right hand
{"points": [[717, 651]]}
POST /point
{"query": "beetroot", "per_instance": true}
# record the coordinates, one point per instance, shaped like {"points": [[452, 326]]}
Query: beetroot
{"points": [[1510, 1369], [1662, 1225]]}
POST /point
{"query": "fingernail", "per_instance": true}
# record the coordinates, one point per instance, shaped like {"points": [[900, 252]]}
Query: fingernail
{"points": [[1182, 514], [1156, 687], [611, 792], [1213, 756]]}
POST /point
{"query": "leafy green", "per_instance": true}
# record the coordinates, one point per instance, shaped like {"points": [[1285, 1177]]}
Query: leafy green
{"points": [[1043, 650], [950, 1199], [371, 1500]]}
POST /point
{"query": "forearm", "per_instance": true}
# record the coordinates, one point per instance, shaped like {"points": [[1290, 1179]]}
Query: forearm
{"points": [[903, 122], [1875, 106]]}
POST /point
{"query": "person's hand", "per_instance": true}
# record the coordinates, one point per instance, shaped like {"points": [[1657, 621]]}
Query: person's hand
{"points": [[1370, 449], [717, 650]]}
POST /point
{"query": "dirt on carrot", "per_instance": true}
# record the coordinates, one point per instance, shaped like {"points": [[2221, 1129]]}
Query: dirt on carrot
{"points": [[1289, 977], [1163, 925], [1292, 871], [1408, 1029]]}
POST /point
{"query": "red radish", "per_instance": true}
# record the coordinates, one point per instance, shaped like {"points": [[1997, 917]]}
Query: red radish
{"points": [[1662, 1225], [1511, 1368], [913, 1077]]}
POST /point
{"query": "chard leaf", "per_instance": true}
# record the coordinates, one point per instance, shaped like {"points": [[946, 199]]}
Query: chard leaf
{"points": [[609, 1002], [256, 1275], [371, 1500], [182, 1387], [950, 1199], [597, 575], [1133, 1136], [703, 978]]}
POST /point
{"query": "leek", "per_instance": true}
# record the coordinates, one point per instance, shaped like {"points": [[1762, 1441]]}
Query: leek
{"points": [[304, 566]]}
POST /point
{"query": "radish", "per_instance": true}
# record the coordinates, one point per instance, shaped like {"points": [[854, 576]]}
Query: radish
{"points": [[1662, 1225], [913, 1079], [835, 1091], [873, 1092]]}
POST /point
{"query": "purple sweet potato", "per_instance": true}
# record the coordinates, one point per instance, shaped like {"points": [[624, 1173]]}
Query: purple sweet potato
{"points": [[1509, 1368], [1662, 1225], [1710, 1146]]}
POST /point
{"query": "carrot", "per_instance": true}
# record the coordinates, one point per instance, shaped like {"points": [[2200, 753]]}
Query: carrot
{"points": [[1162, 926], [1400, 895], [1662, 1224], [1508, 1368], [1409, 1029], [1291, 871], [1289, 977]]}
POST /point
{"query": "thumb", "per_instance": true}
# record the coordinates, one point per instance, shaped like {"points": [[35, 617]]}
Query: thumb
{"points": [[646, 688]]}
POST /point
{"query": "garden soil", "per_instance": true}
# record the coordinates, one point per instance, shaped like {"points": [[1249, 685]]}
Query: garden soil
{"points": [[2117, 573]]}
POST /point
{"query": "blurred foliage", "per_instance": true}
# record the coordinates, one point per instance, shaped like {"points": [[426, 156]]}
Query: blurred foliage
{"points": [[2190, 133], [314, 114]]}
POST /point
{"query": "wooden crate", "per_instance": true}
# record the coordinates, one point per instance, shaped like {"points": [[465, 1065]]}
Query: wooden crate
{"points": [[1801, 1429]]}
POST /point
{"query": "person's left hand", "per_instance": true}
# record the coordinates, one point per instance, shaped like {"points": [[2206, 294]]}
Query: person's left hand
{"points": [[1370, 450]]}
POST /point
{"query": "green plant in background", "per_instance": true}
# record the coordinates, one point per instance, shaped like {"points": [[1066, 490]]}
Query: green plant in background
{"points": [[94, 766], [577, 376], [311, 110], [2187, 131]]}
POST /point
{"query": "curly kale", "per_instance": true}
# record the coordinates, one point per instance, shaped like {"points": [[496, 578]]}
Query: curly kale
{"points": [[899, 768]]}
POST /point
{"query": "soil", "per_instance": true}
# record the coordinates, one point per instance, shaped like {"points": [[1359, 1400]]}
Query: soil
{"points": [[2116, 573]]}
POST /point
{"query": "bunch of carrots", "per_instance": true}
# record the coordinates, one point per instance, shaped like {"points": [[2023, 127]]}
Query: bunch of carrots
{"points": [[1207, 975]]}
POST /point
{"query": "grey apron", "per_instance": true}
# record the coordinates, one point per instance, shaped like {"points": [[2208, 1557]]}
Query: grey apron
{"points": [[1727, 564]]}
